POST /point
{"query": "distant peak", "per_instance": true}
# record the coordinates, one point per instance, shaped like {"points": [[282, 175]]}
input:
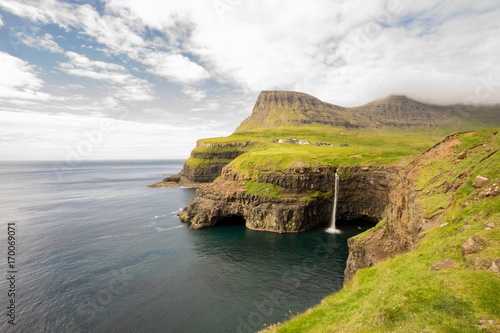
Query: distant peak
{"points": [[283, 95], [398, 98], [395, 100]]}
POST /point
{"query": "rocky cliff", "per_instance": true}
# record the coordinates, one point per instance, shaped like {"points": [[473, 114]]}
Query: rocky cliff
{"points": [[205, 163], [208, 159], [424, 191], [294, 200], [364, 192], [277, 203]]}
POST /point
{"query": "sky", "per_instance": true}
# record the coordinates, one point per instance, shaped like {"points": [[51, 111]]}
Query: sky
{"points": [[127, 79]]}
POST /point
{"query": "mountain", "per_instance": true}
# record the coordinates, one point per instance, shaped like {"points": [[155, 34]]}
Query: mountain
{"points": [[278, 108], [290, 108]]}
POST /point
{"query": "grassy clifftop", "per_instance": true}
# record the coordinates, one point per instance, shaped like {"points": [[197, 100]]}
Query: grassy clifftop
{"points": [[404, 294]]}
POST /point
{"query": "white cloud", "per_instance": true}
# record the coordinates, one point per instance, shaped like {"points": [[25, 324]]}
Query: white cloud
{"points": [[1, 21], [59, 137], [124, 85], [347, 52], [45, 42], [297, 45], [19, 80], [175, 67], [195, 94], [121, 34], [313, 47]]}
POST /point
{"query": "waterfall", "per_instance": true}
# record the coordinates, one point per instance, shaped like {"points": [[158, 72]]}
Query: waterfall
{"points": [[333, 228]]}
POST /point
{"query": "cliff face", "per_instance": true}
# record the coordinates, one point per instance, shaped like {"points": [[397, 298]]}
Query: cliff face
{"points": [[295, 200], [208, 159], [282, 203], [422, 195], [364, 192]]}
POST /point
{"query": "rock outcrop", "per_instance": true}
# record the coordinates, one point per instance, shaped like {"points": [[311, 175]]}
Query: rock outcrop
{"points": [[287, 210], [205, 163]]}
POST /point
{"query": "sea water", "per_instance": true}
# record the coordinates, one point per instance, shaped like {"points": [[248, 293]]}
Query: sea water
{"points": [[97, 251]]}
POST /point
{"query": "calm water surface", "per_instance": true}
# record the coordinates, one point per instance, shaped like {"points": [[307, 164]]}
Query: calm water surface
{"points": [[97, 251]]}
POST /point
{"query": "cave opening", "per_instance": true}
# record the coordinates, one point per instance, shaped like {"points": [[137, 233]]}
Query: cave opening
{"points": [[365, 222], [362, 221], [232, 220]]}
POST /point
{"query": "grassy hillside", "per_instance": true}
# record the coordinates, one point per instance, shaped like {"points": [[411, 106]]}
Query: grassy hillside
{"points": [[402, 294], [375, 146]]}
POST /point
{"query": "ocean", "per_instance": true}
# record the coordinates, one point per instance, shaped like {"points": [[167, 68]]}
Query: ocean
{"points": [[94, 250]]}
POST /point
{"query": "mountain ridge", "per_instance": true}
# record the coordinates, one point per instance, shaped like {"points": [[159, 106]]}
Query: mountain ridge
{"points": [[291, 108]]}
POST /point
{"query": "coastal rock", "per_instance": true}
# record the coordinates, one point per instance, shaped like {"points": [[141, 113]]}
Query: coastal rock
{"points": [[164, 184], [226, 199]]}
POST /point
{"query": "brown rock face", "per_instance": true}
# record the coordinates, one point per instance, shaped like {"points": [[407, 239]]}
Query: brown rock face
{"points": [[225, 199], [274, 108]]}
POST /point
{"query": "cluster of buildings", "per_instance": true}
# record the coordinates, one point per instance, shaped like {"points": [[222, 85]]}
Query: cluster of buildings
{"points": [[306, 142]]}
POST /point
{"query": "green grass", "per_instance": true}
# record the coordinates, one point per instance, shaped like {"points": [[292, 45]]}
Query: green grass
{"points": [[369, 231], [401, 294], [266, 189], [375, 147], [201, 164]]}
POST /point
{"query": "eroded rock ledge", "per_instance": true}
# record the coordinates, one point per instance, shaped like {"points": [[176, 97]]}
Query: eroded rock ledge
{"points": [[303, 200]]}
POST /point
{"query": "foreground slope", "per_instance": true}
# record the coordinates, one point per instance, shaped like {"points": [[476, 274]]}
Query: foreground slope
{"points": [[445, 206]]}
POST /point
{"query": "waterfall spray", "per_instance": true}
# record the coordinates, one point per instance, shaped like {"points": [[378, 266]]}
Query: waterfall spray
{"points": [[333, 228]]}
